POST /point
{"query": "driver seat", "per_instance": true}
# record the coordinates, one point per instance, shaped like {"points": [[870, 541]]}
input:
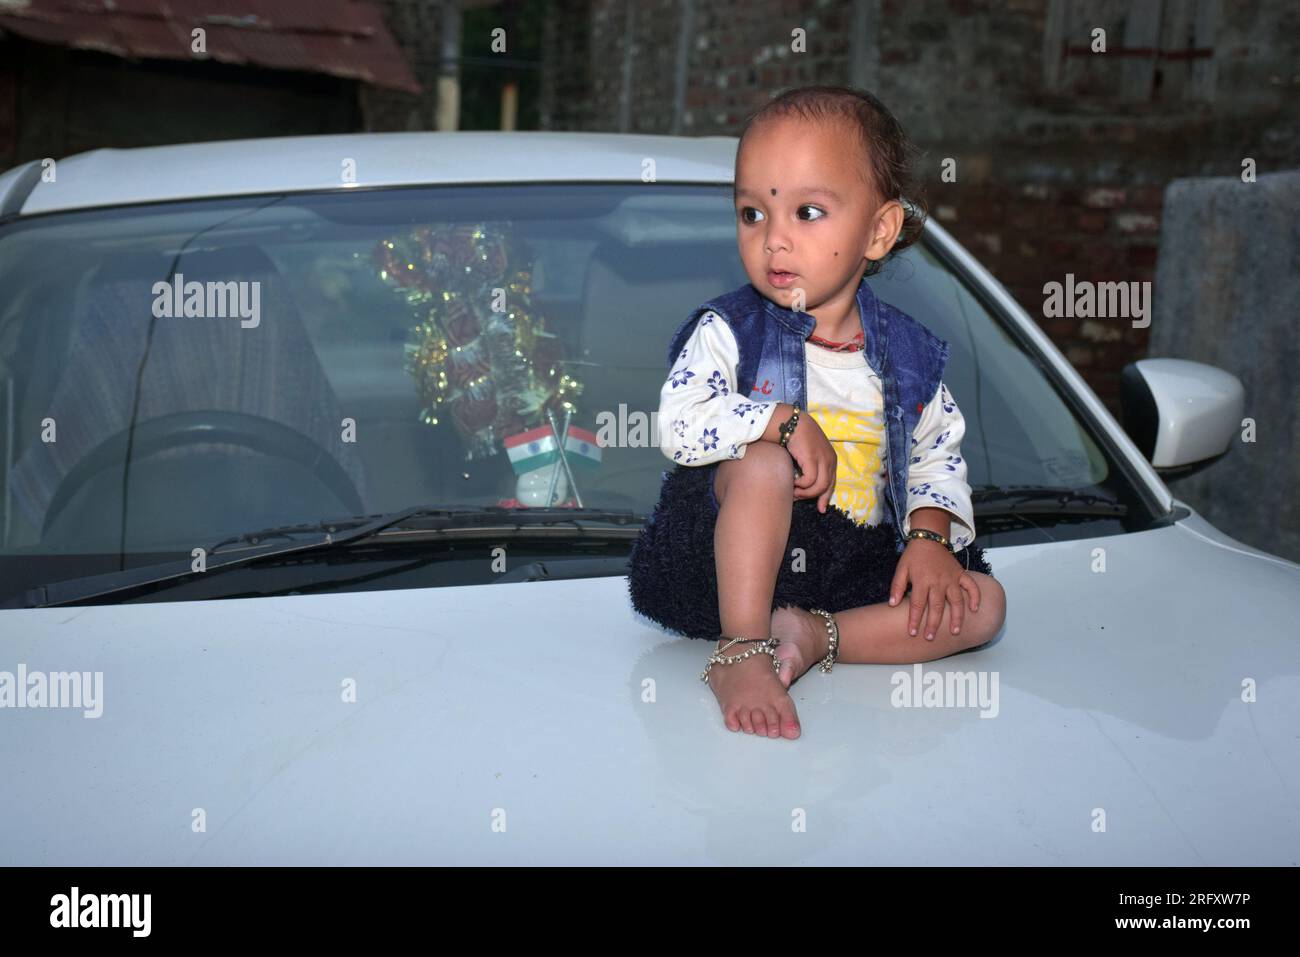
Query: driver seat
{"points": [[191, 494]]}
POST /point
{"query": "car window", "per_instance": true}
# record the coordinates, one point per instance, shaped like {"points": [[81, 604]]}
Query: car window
{"points": [[177, 373], [1018, 430]]}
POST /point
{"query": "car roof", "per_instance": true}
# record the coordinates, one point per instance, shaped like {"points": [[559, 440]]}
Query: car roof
{"points": [[112, 177]]}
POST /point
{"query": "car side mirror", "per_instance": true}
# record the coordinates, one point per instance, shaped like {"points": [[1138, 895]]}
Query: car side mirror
{"points": [[1182, 415]]}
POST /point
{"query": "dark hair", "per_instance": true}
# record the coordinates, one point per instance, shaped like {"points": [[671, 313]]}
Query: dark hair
{"points": [[889, 156]]}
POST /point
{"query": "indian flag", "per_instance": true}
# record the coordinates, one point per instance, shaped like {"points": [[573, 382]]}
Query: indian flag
{"points": [[533, 449], [581, 448]]}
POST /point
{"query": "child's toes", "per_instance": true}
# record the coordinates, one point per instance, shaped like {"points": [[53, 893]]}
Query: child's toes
{"points": [[773, 722], [788, 720], [747, 720], [760, 722]]}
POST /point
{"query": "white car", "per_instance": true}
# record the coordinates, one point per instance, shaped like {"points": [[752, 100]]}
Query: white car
{"points": [[259, 607]]}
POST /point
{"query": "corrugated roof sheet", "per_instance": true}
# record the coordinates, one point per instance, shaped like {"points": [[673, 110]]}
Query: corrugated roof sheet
{"points": [[346, 38]]}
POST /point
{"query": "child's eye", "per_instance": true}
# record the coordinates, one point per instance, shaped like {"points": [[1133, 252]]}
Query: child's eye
{"points": [[750, 209]]}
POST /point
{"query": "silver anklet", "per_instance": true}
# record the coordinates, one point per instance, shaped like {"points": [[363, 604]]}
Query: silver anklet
{"points": [[833, 632], [761, 646]]}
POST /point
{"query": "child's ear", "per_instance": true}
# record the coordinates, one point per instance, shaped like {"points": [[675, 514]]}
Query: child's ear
{"points": [[887, 225]]}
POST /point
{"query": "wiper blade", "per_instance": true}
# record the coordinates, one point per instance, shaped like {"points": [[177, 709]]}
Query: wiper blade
{"points": [[438, 517], [993, 501], [496, 515], [129, 579], [323, 535]]}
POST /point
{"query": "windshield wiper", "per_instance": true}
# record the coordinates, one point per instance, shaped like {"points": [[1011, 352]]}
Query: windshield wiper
{"points": [[429, 518], [998, 501], [328, 536]]}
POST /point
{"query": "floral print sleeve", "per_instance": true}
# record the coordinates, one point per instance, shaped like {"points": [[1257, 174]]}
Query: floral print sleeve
{"points": [[936, 472], [703, 418]]}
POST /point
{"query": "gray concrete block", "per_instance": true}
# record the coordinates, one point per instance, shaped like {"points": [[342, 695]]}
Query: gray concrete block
{"points": [[1227, 292]]}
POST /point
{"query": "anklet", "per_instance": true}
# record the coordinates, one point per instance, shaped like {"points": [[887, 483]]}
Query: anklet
{"points": [[833, 632], [762, 646]]}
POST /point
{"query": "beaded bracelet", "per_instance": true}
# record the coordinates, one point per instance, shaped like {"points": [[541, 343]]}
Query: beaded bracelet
{"points": [[787, 428], [932, 536]]}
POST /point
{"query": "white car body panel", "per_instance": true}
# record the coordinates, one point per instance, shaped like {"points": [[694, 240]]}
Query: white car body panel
{"points": [[1112, 695]]}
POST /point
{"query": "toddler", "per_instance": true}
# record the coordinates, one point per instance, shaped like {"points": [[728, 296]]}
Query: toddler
{"points": [[818, 471]]}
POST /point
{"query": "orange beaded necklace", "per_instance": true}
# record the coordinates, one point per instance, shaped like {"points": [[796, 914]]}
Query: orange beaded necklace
{"points": [[851, 346]]}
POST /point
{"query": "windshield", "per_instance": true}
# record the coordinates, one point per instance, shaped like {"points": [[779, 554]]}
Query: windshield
{"points": [[176, 374]]}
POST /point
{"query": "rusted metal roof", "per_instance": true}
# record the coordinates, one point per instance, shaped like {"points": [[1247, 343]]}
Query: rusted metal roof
{"points": [[346, 38]]}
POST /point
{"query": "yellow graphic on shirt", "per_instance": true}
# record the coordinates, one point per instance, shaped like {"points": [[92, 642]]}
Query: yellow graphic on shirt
{"points": [[857, 438]]}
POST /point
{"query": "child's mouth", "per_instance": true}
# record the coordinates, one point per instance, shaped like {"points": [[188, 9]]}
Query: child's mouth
{"points": [[781, 278]]}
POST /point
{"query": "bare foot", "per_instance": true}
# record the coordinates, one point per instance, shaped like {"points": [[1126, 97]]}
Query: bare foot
{"points": [[804, 641], [752, 697]]}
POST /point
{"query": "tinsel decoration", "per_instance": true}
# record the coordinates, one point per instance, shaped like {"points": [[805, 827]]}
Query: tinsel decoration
{"points": [[480, 352]]}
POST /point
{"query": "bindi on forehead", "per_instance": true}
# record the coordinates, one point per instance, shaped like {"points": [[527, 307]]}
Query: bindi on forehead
{"points": [[773, 190]]}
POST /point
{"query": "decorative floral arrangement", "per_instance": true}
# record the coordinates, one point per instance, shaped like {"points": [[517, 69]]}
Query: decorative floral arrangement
{"points": [[480, 352]]}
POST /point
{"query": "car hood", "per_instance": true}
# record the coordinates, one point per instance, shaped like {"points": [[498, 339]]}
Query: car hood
{"points": [[541, 723]]}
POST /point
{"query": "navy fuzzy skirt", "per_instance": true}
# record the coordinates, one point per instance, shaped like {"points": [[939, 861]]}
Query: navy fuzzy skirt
{"points": [[672, 575]]}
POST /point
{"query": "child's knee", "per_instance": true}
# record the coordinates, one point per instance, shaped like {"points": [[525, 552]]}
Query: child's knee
{"points": [[992, 610], [996, 594], [765, 461]]}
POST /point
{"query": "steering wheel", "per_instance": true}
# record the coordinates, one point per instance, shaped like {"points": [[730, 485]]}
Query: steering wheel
{"points": [[205, 427]]}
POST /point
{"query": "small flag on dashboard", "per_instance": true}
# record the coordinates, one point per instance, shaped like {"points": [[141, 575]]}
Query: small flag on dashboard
{"points": [[581, 447], [532, 449]]}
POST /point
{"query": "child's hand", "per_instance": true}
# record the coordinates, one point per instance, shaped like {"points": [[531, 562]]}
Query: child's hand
{"points": [[936, 576], [816, 458]]}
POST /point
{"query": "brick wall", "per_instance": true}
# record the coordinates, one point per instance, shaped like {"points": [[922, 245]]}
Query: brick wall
{"points": [[1062, 153], [1029, 234]]}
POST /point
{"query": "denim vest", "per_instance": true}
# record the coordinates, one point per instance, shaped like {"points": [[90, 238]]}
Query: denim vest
{"points": [[907, 356]]}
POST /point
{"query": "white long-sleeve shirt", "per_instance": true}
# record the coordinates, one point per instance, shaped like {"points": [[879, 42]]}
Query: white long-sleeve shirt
{"points": [[709, 420]]}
